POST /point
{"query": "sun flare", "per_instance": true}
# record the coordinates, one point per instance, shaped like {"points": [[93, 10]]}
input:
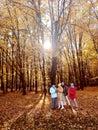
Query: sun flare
{"points": [[47, 45]]}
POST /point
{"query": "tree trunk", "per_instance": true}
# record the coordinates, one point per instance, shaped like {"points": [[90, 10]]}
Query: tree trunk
{"points": [[6, 71], [12, 68], [16, 80], [44, 73], [31, 76], [53, 70], [23, 84], [28, 79], [2, 79]]}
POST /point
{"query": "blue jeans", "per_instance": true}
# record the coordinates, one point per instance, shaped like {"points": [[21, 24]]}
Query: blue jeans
{"points": [[54, 103]]}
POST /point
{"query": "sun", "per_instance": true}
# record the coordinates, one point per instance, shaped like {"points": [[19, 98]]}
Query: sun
{"points": [[47, 45]]}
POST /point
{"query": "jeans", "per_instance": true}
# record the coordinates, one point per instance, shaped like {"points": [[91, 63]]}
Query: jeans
{"points": [[54, 103]]}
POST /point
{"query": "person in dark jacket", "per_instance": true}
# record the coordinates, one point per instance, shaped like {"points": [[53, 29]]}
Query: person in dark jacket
{"points": [[65, 94]]}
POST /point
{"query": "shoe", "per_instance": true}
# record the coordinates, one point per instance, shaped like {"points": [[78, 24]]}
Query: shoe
{"points": [[53, 108], [58, 107], [62, 108]]}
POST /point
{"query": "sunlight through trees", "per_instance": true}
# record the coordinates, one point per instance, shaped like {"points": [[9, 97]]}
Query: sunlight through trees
{"points": [[44, 42]]}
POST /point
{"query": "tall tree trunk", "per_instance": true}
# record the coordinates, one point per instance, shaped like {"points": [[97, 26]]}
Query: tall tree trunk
{"points": [[54, 45], [70, 76], [53, 70], [80, 63], [74, 63], [16, 79], [44, 73], [23, 70], [6, 71], [36, 83], [23, 84], [27, 68], [35, 71], [12, 68], [31, 76], [2, 72]]}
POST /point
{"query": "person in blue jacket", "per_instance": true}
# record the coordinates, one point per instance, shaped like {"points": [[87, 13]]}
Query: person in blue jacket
{"points": [[53, 92]]}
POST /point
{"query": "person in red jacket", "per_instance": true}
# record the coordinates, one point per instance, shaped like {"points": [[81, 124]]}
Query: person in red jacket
{"points": [[72, 95]]}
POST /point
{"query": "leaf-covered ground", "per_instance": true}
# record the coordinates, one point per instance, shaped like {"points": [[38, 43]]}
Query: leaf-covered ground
{"points": [[33, 112]]}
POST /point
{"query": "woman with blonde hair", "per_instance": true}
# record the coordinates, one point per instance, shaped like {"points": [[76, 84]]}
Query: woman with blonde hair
{"points": [[60, 95]]}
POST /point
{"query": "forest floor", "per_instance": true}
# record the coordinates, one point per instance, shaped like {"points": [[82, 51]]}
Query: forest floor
{"points": [[33, 112]]}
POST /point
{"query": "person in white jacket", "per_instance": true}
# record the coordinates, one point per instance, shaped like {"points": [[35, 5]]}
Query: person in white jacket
{"points": [[53, 92]]}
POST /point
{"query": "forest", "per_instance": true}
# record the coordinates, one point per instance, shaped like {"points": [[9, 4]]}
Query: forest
{"points": [[71, 29], [44, 42]]}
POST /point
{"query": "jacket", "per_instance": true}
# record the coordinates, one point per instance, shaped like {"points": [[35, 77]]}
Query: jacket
{"points": [[65, 90], [60, 92], [72, 93], [53, 91]]}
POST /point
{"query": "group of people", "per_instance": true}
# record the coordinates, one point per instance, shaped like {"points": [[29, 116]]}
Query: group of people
{"points": [[60, 94]]}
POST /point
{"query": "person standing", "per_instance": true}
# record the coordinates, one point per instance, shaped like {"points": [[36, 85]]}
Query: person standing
{"points": [[60, 96], [65, 94], [53, 92], [72, 94]]}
